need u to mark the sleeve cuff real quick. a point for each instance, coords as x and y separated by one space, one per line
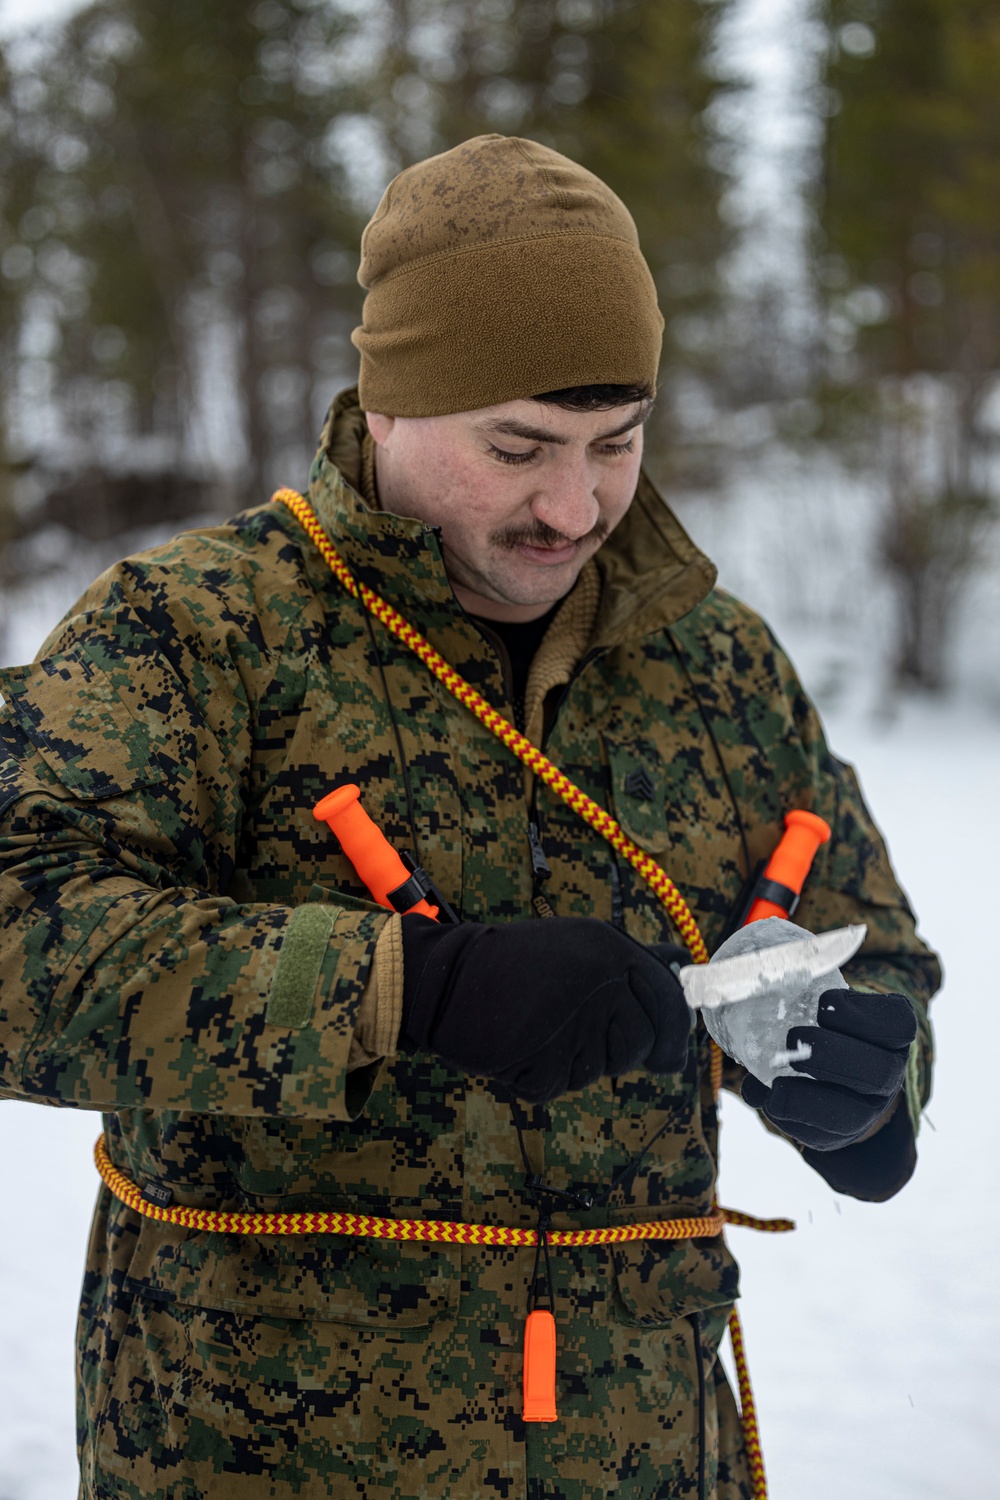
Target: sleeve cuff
380 1014
872 1169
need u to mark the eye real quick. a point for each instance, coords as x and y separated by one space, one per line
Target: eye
613 449
512 458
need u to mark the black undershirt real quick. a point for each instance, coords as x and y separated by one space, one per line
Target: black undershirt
520 640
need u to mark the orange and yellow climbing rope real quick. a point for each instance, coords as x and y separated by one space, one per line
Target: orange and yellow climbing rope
433 1231
585 807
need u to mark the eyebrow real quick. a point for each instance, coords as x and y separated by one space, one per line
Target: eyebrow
511 427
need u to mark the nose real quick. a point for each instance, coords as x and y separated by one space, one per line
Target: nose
567 500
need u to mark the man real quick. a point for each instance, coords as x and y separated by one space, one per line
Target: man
188 950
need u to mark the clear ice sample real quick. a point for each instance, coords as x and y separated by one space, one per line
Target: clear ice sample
754 1032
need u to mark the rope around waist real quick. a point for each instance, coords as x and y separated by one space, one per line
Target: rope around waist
433 1231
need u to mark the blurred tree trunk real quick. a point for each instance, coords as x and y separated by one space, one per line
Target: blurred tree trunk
169 184
910 213
185 187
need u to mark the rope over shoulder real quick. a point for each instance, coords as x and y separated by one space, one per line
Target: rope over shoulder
587 809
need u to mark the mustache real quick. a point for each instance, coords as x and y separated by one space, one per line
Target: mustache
540 535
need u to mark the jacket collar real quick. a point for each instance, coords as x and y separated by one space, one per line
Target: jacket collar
651 572
400 558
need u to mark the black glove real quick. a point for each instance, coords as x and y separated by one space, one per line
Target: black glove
542 1006
874 1169
857 1068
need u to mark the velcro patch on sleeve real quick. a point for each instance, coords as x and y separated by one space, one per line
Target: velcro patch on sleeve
296 975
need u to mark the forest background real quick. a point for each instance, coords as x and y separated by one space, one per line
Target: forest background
182 188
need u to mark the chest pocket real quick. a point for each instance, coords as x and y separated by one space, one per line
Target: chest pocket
639 791
82 729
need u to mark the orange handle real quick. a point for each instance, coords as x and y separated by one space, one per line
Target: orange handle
791 861
539 1367
378 865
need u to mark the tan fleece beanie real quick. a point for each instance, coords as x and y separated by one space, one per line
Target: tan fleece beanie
495 272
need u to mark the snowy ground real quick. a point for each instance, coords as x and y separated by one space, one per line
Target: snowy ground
873 1332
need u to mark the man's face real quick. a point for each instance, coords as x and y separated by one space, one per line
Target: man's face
524 494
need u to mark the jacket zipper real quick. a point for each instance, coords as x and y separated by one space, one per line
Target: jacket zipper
540 867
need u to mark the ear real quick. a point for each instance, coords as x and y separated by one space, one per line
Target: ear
379 426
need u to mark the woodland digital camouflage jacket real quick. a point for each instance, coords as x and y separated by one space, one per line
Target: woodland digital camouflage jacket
160 862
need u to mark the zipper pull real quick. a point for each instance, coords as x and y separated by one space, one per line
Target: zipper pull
540 870
539 864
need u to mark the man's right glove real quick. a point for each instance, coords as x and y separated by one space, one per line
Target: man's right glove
856 1068
542 1006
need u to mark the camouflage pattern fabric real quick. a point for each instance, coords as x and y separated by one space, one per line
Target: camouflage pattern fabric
158 857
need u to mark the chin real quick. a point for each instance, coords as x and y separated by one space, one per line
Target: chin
547 589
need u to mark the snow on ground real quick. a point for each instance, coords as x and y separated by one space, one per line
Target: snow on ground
873 1332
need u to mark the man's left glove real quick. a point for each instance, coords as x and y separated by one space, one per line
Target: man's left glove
857 1068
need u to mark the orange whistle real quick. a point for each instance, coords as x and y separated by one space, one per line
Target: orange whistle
790 863
378 865
540 1367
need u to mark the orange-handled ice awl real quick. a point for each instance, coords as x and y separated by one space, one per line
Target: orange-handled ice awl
785 872
378 865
